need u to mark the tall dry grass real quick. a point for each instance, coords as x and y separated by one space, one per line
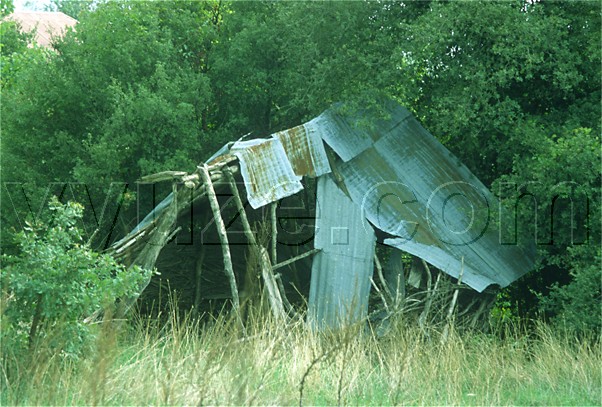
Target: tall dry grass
181 361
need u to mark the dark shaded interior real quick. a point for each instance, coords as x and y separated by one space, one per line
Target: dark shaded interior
191 265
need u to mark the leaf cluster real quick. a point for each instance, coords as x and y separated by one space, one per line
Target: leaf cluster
56 281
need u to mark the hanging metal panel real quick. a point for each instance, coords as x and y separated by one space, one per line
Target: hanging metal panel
340 280
266 170
305 150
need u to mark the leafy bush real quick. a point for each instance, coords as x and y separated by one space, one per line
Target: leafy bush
55 282
563 181
577 305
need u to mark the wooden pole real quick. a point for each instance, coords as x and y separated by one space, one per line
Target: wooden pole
147 257
274 233
380 294
285 301
271 286
221 231
430 294
452 306
379 271
241 209
274 297
294 259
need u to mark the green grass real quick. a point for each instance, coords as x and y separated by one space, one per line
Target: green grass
185 362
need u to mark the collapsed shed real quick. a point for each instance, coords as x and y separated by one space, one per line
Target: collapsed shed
378 171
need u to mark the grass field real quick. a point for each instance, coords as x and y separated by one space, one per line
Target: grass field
182 362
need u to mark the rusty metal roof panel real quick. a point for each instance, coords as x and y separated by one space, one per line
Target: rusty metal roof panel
341 272
305 150
412 187
266 170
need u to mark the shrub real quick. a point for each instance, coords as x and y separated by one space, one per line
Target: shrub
56 281
576 305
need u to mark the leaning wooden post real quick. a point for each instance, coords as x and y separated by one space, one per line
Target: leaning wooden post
274 233
381 277
266 267
452 306
271 285
241 209
221 231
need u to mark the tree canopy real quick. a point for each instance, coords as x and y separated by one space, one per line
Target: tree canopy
512 88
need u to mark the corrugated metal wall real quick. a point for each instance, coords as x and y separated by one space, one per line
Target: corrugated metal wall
341 272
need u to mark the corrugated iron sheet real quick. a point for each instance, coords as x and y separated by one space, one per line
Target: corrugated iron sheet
412 187
305 150
340 279
349 134
266 170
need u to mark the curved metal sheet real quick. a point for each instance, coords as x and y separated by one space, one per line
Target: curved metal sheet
411 187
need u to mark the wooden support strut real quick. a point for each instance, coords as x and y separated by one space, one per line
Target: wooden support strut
271 286
221 231
147 257
296 258
274 232
266 266
379 271
452 306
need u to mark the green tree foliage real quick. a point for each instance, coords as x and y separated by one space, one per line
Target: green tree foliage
281 63
6 7
55 282
14 51
72 8
123 96
487 69
512 88
577 305
560 207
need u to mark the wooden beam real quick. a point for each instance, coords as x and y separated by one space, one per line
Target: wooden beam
274 297
241 209
296 258
452 306
221 231
271 286
162 176
147 257
274 232
381 277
